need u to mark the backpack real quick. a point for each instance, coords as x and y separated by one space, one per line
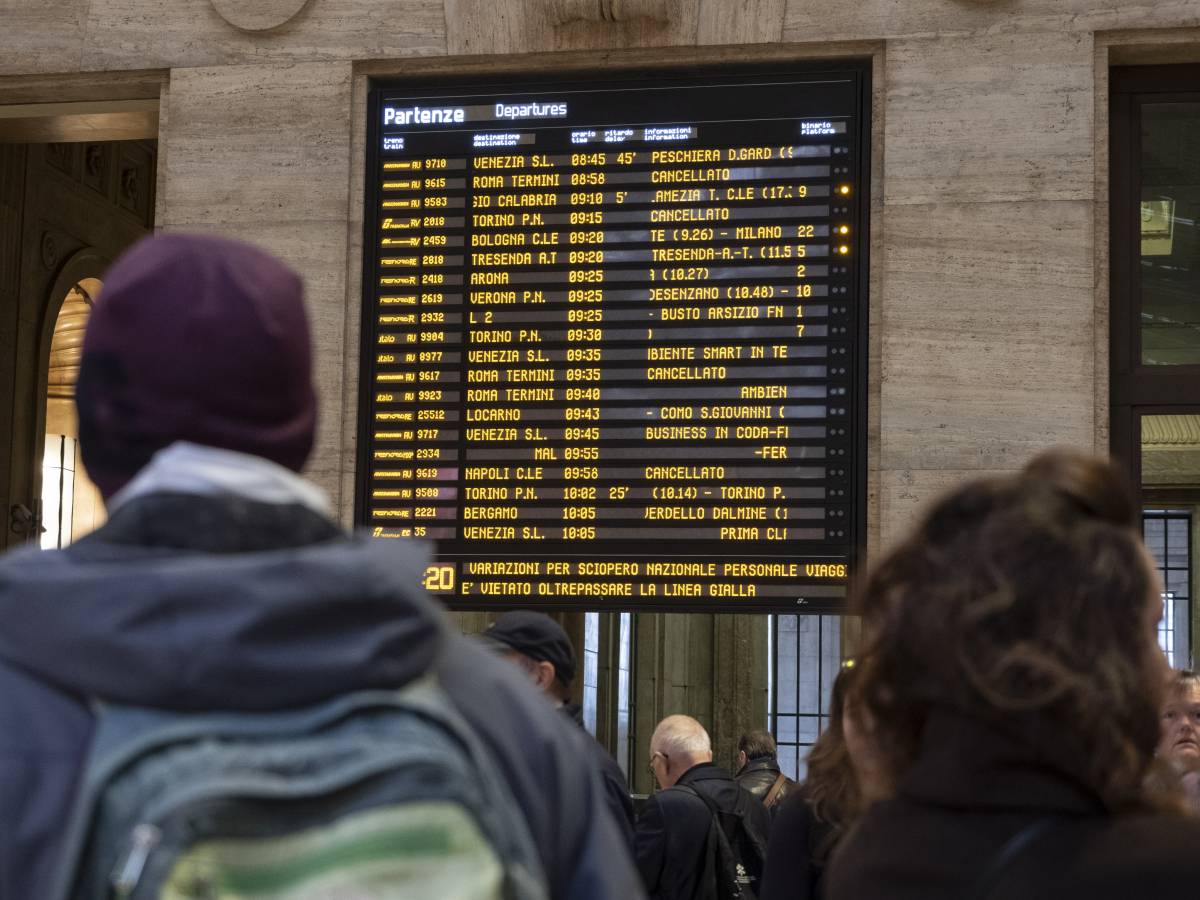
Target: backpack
734 853
373 795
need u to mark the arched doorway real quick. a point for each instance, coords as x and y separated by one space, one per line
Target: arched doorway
71 504
66 211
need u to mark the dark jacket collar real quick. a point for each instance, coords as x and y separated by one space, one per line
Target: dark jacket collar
574 712
704 772
760 764
210 524
969 763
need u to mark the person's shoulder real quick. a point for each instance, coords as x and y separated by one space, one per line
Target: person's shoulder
888 837
678 800
538 749
794 813
493 697
604 760
38 719
1128 850
542 758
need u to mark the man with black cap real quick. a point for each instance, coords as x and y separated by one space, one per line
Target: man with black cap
221 582
540 647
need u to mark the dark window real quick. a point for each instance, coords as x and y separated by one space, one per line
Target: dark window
1155 318
1155 277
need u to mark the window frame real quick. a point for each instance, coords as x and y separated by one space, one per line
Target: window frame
1136 389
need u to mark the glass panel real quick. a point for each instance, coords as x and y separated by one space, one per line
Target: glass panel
802 764
58 491
1177 543
1177 582
1170 248
785 730
625 639
787 760
591 669
1153 530
52 491
785 657
807 730
808 659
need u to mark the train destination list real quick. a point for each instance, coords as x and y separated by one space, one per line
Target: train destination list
612 338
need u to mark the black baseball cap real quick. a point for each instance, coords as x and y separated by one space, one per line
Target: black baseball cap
537 636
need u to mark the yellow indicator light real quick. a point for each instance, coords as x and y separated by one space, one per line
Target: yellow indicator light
845 229
844 189
843 249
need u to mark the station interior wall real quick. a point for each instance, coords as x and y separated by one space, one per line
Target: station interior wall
989 301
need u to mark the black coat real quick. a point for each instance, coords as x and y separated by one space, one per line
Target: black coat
616 788
973 789
797 853
758 777
672 831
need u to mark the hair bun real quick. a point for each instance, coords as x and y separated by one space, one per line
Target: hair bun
1094 484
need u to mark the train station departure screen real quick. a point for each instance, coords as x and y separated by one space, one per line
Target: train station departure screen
614 339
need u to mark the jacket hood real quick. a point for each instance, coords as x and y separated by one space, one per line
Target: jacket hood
242 631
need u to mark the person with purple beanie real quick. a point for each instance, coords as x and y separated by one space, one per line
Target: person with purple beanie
221 581
198 339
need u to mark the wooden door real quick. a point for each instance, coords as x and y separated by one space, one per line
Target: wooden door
66 211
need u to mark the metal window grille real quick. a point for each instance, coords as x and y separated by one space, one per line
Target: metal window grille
1168 537
805 657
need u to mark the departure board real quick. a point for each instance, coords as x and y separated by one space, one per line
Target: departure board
614 338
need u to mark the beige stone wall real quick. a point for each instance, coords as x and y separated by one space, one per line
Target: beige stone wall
989 201
988 312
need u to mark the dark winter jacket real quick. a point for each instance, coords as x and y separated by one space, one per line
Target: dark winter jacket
190 602
672 831
616 788
758 777
798 851
978 794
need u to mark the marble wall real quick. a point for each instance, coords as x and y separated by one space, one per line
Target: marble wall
988 313
989 261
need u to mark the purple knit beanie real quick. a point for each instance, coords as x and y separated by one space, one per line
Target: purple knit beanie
194 338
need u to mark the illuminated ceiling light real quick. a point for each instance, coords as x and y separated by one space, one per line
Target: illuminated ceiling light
844 190
843 249
845 229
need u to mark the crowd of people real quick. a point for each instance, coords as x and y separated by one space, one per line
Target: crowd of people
220 693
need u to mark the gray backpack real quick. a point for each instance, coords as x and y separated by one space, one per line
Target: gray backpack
379 795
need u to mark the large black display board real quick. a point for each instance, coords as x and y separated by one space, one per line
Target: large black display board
614 338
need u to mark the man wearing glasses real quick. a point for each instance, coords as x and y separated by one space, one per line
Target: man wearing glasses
678 837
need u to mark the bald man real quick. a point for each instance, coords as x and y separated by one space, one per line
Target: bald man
672 835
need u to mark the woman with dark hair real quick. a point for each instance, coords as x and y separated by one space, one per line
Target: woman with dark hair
1010 682
811 820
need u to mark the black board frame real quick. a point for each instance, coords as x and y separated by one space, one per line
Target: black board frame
436 86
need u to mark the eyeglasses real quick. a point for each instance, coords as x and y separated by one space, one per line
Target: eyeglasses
653 755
